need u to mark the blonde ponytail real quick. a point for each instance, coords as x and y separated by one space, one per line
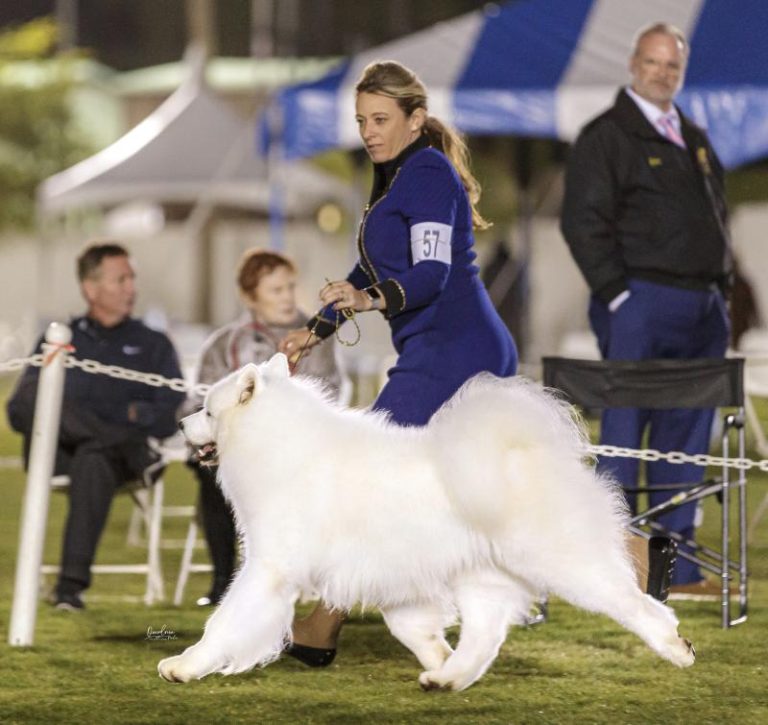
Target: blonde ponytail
451 143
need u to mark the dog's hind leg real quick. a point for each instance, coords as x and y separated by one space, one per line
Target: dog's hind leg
604 583
420 628
648 618
250 627
655 624
488 602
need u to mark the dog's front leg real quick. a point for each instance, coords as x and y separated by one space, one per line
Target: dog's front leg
420 628
250 627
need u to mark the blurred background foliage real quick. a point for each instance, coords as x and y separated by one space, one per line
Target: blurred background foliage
37 133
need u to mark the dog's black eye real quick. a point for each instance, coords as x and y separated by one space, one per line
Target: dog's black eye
208 414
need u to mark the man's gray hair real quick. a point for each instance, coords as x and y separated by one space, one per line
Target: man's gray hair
661 29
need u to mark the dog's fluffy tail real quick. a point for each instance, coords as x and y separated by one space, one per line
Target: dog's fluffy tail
511 454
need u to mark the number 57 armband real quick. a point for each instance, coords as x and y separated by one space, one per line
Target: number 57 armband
431 241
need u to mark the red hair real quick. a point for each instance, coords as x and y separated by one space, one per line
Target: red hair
257 263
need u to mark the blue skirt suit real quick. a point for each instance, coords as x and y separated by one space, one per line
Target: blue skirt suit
416 248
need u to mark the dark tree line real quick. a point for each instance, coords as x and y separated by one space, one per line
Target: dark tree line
127 34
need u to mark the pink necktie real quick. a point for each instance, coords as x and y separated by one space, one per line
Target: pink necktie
669 130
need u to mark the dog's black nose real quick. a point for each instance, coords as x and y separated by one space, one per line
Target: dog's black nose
181 425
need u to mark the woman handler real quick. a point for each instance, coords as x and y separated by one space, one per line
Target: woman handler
416 267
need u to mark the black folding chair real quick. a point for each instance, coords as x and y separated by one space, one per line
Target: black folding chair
666 384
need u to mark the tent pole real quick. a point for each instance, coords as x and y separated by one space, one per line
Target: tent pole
523 174
274 176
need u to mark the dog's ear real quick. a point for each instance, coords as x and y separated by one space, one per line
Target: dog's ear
247 381
276 367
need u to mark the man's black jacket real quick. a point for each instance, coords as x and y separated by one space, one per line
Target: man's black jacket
637 205
97 402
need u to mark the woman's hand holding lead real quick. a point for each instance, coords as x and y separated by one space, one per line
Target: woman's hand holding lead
297 343
344 296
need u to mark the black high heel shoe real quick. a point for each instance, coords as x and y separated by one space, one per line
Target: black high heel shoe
311 656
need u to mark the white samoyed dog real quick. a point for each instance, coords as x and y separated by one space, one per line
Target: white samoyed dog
471 518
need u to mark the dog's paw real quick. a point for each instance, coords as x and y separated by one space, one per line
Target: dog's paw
435 680
679 652
176 669
687 653
431 681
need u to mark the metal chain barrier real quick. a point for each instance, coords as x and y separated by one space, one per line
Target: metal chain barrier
700 459
182 386
153 379
114 371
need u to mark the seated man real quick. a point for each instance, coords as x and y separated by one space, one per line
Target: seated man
105 422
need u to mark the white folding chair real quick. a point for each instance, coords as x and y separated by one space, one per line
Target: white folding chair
148 497
188 566
173 449
149 503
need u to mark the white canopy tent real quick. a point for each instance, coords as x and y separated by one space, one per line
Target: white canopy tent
192 150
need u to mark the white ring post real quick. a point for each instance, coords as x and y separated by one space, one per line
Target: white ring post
45 435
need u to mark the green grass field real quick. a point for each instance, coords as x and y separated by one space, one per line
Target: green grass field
99 667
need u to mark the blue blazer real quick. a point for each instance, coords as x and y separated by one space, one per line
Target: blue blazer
416 247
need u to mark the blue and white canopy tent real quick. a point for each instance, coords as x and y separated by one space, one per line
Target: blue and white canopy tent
542 68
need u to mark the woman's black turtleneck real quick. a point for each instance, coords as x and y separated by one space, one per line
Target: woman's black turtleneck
384 172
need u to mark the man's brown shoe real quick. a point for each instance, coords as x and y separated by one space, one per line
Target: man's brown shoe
704 590
662 554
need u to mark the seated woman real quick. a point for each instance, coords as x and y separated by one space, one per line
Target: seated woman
267 284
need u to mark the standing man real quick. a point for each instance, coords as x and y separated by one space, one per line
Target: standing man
105 423
644 216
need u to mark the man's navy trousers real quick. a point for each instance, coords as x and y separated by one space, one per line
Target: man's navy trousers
660 321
